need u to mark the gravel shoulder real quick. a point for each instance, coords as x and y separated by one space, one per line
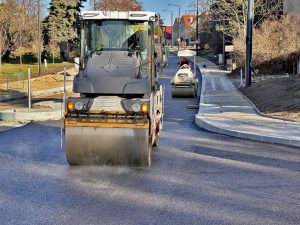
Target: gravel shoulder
40 83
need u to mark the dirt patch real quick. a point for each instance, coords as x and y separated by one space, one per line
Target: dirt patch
72 72
40 107
40 83
278 97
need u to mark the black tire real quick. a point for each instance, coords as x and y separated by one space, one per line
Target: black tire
157 135
196 90
194 93
156 140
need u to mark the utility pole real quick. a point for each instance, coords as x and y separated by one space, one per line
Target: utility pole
249 42
94 4
39 38
197 29
172 33
224 54
179 28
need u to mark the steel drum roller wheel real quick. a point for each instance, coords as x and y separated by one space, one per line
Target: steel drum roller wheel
183 91
108 146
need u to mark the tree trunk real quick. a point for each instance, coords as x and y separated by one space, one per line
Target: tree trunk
0 53
53 56
0 59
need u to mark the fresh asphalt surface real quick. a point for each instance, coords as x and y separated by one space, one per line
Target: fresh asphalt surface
196 177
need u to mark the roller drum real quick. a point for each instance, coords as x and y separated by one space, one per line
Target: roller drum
109 146
184 91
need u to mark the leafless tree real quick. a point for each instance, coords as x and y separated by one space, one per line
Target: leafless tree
230 17
3 35
117 5
275 45
17 26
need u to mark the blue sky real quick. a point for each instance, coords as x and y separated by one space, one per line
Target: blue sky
160 5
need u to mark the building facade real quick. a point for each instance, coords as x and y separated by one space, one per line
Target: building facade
188 28
184 29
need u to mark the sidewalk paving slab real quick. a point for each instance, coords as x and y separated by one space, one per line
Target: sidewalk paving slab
223 109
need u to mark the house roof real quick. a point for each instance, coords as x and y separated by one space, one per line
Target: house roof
188 20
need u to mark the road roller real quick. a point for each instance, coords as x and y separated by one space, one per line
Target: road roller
185 83
119 114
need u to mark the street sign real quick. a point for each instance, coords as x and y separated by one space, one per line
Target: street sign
186 53
229 48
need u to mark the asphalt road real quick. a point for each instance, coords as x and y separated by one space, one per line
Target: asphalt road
196 177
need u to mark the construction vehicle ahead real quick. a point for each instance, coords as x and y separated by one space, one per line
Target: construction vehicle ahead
185 83
118 116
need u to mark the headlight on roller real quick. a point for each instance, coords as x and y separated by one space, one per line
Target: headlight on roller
78 106
136 107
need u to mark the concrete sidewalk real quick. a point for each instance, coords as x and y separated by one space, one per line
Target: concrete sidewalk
41 111
223 109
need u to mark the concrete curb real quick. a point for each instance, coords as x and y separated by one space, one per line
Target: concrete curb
9 97
202 122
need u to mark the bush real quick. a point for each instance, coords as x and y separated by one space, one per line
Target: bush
276 45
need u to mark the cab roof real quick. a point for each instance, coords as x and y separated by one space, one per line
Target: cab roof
118 15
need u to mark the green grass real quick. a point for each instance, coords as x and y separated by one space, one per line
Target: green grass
12 69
